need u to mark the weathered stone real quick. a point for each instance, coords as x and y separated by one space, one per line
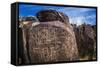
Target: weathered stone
50 43
52 15
53 40
86 42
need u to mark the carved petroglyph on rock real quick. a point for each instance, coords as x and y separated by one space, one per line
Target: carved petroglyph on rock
52 40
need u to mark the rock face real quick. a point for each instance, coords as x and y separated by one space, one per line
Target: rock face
53 40
52 15
86 41
50 43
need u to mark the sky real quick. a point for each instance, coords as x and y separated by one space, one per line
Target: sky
76 15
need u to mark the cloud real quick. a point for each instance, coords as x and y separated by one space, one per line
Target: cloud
77 15
91 19
77 20
80 15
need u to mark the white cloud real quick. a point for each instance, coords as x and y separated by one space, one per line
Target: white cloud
77 20
91 16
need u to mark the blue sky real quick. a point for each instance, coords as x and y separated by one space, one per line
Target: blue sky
76 15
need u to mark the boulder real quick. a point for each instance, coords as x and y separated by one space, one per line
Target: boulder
53 40
52 15
86 42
